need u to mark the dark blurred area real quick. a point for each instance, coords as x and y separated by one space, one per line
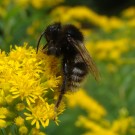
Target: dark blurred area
107 7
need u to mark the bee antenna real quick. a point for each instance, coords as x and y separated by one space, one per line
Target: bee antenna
39 40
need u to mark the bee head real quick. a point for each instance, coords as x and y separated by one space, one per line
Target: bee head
51 35
72 31
52 32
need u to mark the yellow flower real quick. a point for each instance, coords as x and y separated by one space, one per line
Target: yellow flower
23 130
131 22
9 99
26 74
102 126
129 12
118 127
3 123
53 82
20 106
94 109
122 125
29 85
4 111
109 49
41 114
93 127
25 87
86 14
19 121
115 23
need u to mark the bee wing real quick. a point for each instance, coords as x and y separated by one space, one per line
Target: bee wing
79 46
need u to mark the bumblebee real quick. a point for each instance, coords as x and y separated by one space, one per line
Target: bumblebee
67 41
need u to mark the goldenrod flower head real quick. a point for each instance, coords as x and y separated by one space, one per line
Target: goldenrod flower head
4 111
23 130
40 113
19 121
3 123
9 99
20 106
129 12
93 127
3 114
102 126
109 49
122 124
29 85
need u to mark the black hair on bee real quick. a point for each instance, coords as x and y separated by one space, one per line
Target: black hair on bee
67 41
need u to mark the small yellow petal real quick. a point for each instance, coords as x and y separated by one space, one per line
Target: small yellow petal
29 118
47 122
16 96
33 122
23 130
27 100
15 92
37 125
32 100
27 114
42 122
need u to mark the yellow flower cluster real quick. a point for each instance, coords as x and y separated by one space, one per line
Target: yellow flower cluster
120 126
95 122
108 49
94 109
29 84
93 127
87 15
112 51
129 12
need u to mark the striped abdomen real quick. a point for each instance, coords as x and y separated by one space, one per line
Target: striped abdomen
78 71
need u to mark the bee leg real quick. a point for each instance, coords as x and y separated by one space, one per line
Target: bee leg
44 47
63 87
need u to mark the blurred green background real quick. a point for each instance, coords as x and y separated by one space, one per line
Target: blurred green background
109 31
